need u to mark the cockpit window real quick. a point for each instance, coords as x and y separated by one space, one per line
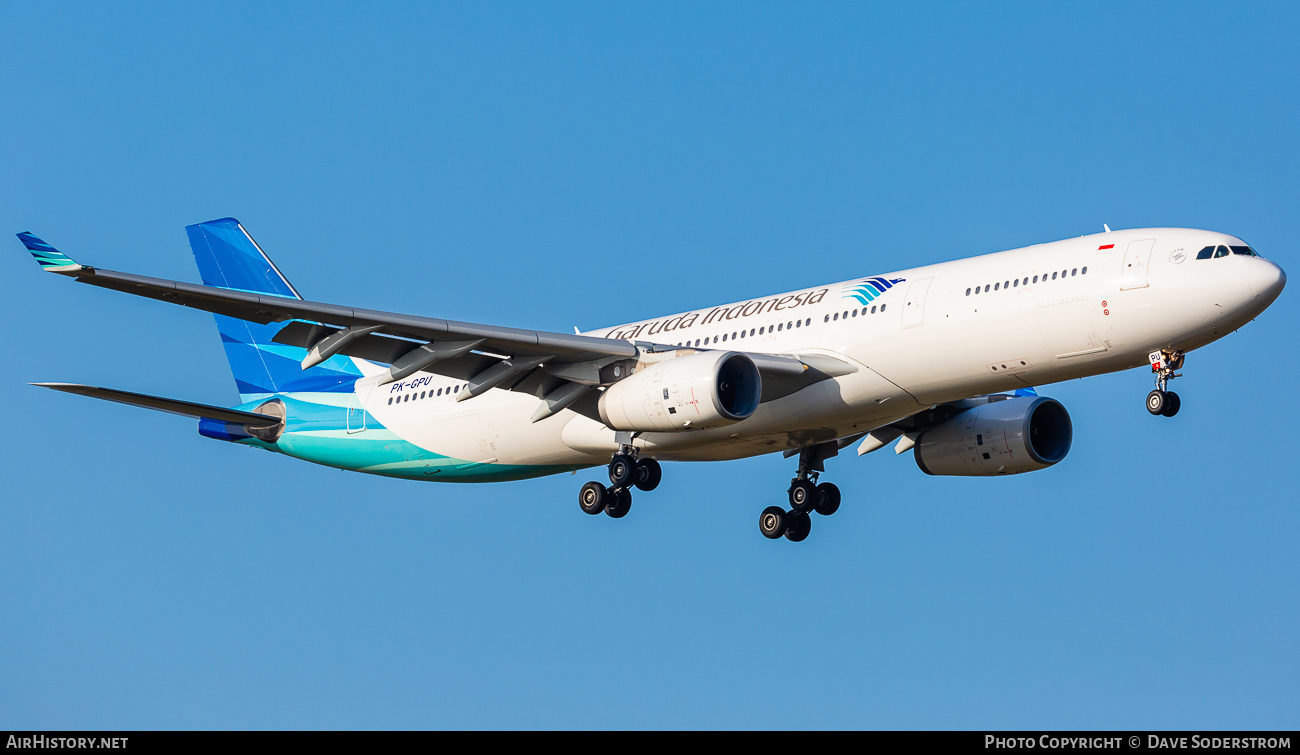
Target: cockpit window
1244 250
1220 251
1205 253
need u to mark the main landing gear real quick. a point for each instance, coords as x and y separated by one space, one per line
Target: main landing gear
625 472
1163 401
806 496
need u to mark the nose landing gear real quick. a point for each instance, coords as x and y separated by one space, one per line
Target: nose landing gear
625 472
1162 401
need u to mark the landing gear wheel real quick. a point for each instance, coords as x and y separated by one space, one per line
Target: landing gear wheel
802 496
1172 404
622 471
648 474
828 499
593 497
620 504
772 522
1157 400
798 527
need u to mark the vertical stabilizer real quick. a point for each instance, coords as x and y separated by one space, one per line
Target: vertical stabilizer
228 258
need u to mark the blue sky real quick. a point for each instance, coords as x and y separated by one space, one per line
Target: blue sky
553 165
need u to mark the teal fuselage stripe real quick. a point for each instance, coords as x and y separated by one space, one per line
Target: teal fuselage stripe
320 433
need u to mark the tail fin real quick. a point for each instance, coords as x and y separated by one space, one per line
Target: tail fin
228 258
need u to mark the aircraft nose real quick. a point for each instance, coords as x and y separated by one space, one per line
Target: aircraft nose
1267 280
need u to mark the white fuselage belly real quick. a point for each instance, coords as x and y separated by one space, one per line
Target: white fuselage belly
930 339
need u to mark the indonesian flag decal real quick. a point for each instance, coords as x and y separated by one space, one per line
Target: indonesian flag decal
1106 246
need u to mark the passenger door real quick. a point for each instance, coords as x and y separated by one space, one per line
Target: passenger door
1137 259
914 307
356 421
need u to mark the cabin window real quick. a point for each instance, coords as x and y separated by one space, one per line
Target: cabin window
1016 283
873 310
828 318
1074 272
882 307
996 285
968 292
1084 271
837 317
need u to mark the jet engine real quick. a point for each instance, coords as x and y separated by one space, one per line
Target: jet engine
1021 434
692 392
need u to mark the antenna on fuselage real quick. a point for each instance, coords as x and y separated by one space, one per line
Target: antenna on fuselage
1103 225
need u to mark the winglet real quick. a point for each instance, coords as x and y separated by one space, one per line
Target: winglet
50 258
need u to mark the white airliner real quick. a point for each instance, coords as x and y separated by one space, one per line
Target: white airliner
942 359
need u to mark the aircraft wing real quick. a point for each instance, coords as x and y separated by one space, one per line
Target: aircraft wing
264 309
486 356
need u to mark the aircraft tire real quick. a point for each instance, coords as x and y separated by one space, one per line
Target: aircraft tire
802 496
1172 404
1156 402
828 499
593 497
772 522
622 471
797 529
620 503
649 473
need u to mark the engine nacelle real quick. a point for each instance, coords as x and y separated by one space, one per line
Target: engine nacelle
693 392
1016 435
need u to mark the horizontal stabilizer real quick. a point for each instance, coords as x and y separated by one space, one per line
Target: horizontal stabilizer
184 408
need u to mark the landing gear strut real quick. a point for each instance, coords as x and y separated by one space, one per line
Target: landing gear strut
625 472
1163 401
805 495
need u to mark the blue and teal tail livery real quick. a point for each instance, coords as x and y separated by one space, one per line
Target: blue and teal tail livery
228 258
50 258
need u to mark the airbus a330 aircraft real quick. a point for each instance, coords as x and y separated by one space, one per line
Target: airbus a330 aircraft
942 359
